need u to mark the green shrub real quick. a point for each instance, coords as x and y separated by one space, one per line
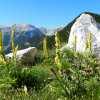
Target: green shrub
39 57
52 91
35 77
6 81
50 60
19 94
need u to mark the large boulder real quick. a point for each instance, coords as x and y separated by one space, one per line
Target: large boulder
26 56
81 28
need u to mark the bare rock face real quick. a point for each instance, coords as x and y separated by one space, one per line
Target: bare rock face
26 56
81 28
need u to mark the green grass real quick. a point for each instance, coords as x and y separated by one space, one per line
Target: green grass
76 77
74 82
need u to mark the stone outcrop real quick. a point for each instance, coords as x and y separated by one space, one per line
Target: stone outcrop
81 28
26 56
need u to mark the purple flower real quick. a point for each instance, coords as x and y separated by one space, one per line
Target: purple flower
87 69
63 71
98 59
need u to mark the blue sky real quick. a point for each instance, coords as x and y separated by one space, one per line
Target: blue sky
47 13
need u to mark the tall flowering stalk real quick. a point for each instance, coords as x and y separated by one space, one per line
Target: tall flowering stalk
85 47
45 47
75 43
57 45
25 90
14 50
90 42
2 57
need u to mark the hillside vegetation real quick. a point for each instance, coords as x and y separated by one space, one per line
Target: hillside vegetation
66 75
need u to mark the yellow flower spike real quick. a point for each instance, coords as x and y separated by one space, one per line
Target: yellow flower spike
14 50
75 43
57 45
45 47
86 47
57 40
90 42
1 42
25 90
57 51
13 42
12 37
2 56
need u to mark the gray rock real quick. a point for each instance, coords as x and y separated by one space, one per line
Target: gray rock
26 56
81 28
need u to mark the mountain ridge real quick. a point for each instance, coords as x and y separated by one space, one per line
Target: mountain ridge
29 35
25 35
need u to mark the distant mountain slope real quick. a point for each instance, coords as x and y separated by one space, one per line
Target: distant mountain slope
28 35
50 32
23 33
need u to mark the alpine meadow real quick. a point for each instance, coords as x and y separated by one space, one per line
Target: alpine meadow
49 63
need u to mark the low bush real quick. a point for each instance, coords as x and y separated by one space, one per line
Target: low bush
35 77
